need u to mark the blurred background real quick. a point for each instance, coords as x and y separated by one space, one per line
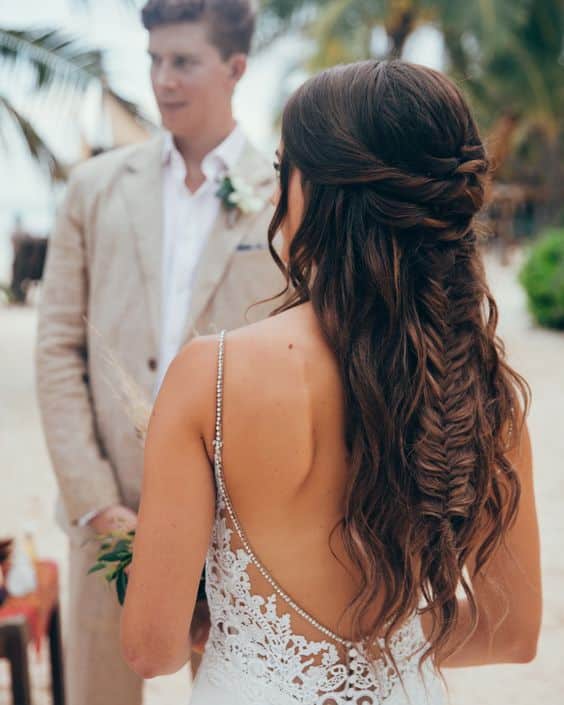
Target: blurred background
74 81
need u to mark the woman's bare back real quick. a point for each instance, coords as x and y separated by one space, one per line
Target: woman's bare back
285 460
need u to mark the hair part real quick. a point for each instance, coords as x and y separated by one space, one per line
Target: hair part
394 172
230 23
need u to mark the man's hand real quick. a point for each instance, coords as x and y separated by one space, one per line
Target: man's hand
115 518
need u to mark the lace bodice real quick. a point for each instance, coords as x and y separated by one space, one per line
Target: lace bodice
254 656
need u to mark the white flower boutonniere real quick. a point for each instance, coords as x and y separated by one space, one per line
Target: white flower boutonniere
236 193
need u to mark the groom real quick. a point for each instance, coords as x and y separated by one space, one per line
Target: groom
145 255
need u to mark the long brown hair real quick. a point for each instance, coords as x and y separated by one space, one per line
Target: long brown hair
393 172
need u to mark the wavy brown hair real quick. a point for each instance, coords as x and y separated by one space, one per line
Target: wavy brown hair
393 171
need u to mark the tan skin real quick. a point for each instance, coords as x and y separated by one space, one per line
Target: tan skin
193 87
285 466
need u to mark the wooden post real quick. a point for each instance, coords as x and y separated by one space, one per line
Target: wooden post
13 646
56 658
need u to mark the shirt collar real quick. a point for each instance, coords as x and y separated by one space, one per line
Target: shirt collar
220 159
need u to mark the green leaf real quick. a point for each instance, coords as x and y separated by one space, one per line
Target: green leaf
123 545
114 556
97 567
121 586
111 576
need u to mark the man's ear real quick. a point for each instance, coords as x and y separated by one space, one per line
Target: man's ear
237 67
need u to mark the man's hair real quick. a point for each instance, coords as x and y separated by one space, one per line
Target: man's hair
231 23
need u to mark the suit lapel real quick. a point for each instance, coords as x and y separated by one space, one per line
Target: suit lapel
143 192
228 232
220 246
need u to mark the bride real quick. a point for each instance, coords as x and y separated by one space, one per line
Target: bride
355 472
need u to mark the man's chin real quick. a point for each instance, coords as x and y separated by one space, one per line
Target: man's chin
177 125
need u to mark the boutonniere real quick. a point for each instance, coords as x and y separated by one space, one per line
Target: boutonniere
239 196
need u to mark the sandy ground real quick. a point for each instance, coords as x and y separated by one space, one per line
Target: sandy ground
27 497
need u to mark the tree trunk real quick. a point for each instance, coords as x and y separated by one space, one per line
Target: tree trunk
399 29
500 138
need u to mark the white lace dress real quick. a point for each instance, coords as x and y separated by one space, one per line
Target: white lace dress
254 656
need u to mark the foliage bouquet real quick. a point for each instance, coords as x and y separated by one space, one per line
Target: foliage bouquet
114 557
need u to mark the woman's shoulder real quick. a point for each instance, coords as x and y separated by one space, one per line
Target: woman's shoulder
187 393
294 329
273 357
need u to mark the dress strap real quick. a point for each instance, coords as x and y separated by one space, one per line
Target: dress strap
218 440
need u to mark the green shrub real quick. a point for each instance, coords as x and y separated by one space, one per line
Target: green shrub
543 278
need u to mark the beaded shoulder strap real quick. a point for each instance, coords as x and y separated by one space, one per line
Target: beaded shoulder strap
218 440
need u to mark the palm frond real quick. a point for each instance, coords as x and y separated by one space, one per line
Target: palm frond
336 19
60 60
498 19
131 108
283 9
279 17
36 145
343 30
53 56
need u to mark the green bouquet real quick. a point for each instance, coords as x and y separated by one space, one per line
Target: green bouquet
114 557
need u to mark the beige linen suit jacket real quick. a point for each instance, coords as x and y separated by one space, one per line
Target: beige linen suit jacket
101 298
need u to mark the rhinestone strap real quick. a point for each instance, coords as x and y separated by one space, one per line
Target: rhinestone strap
218 461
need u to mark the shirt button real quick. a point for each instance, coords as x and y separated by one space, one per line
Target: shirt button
152 363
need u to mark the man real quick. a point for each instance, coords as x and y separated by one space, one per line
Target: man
146 254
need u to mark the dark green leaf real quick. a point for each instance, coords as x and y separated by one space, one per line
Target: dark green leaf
121 586
113 556
123 545
111 575
97 567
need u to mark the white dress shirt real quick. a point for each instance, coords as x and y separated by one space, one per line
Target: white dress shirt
188 219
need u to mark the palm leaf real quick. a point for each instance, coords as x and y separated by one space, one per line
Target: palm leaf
343 30
35 144
280 17
283 9
53 56
62 61
57 62
131 108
